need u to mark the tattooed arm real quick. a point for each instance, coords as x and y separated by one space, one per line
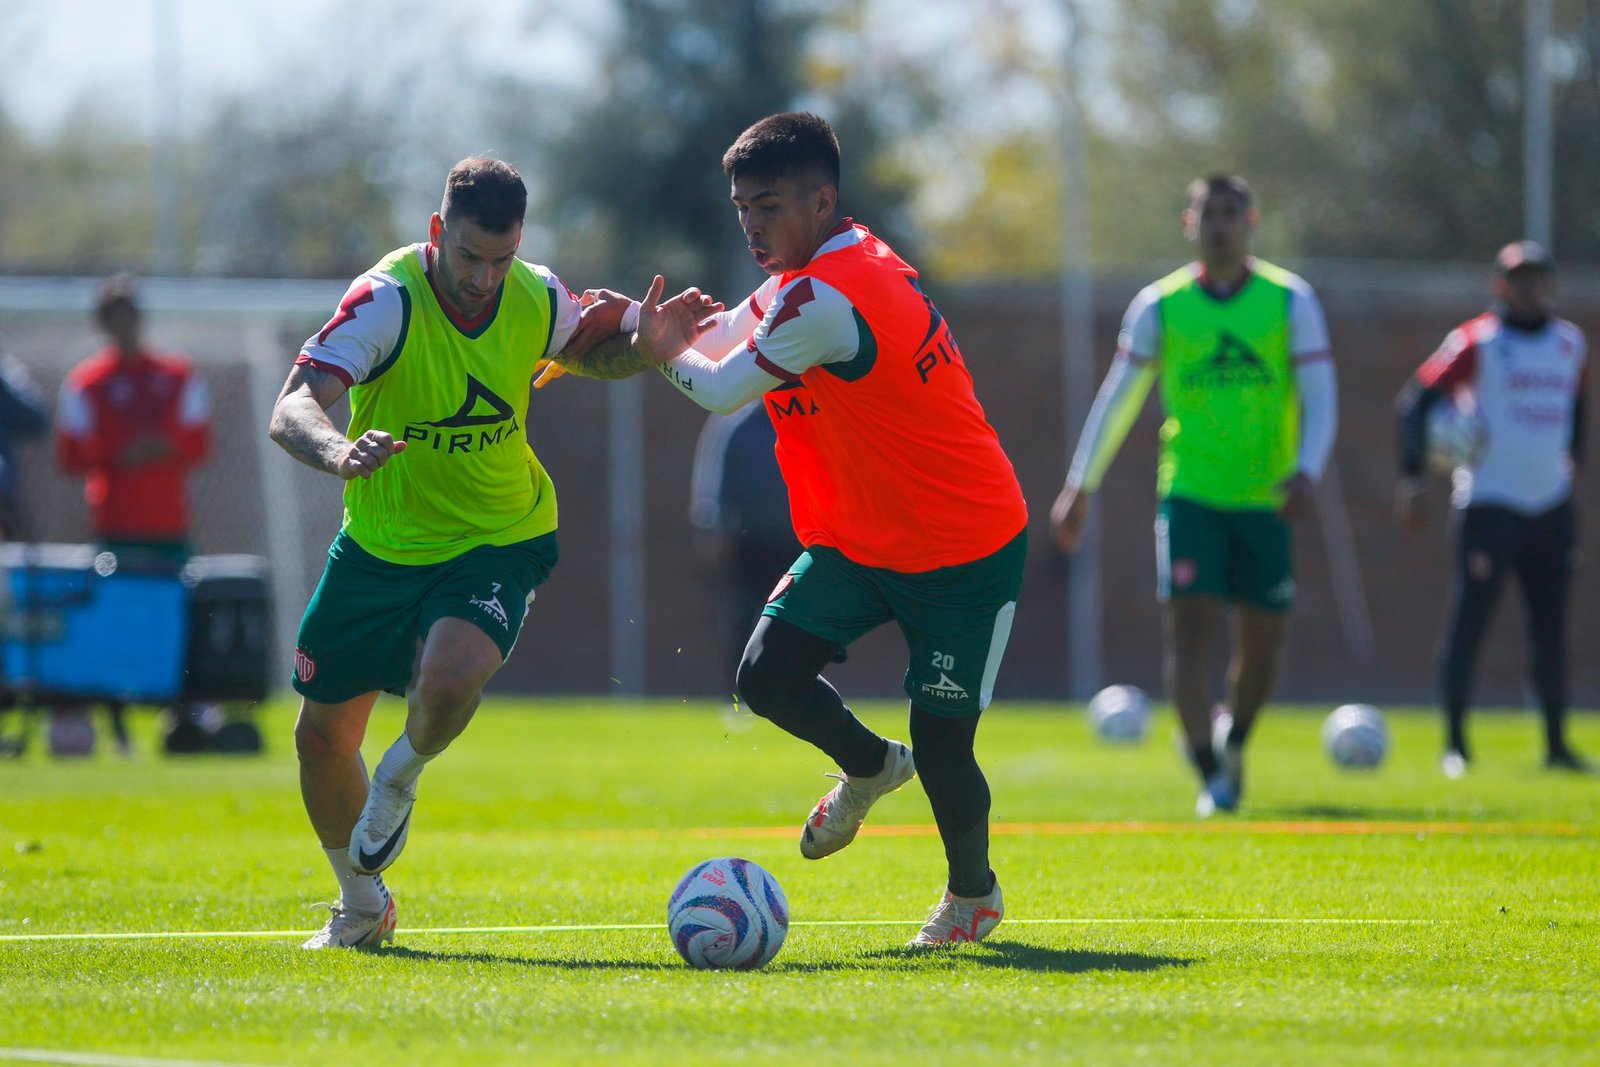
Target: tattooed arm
301 427
613 358
605 313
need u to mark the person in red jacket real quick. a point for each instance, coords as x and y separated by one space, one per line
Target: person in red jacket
133 421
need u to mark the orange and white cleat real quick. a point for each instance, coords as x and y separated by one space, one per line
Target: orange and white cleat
956 919
833 823
346 928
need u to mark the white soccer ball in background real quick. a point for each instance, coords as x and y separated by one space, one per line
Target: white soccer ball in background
1355 736
727 914
1120 713
1457 434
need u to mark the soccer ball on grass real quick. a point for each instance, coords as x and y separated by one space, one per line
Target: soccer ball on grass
727 914
1355 736
1120 713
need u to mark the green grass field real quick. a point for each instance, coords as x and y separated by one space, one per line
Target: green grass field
1386 917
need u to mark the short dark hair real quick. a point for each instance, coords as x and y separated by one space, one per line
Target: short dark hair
117 291
1524 255
486 190
1211 184
785 145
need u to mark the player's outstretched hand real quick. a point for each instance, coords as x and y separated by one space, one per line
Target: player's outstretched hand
1298 496
666 330
1067 516
367 453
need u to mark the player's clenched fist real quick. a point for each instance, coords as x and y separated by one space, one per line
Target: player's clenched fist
367 453
1067 516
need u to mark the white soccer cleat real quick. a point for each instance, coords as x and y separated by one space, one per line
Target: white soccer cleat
833 823
381 831
1453 763
354 929
956 919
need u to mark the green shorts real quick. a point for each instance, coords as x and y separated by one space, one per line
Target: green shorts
1245 557
956 620
361 629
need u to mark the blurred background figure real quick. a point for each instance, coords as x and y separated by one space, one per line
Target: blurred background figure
24 413
1515 377
134 421
1240 347
740 508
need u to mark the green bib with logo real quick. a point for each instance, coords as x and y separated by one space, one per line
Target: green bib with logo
459 401
1233 415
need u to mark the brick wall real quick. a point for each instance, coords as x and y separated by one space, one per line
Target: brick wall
1382 323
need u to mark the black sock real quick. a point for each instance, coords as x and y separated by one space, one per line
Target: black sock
1555 732
1456 729
780 680
959 794
1238 732
1205 761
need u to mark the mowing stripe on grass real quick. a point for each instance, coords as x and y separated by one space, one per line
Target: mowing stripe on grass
215 935
102 1059
1295 828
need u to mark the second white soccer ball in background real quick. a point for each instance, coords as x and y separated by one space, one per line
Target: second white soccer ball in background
1120 713
1355 736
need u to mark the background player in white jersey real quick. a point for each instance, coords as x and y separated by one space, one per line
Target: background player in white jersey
1523 370
1241 350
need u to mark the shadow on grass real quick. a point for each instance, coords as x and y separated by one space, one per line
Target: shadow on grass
1006 955
422 954
1351 812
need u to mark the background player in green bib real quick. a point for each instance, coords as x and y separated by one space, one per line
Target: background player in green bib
449 520
1241 349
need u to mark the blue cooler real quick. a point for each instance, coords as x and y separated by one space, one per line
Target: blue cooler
80 623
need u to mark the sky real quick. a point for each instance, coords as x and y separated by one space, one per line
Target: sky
61 53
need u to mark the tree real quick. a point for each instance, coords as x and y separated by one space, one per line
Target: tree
290 194
76 203
1370 129
634 183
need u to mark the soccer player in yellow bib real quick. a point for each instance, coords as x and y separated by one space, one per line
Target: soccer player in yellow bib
450 520
1241 349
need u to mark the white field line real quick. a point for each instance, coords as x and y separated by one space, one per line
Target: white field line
217 935
101 1059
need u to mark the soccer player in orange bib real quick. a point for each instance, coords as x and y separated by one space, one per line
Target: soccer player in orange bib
905 503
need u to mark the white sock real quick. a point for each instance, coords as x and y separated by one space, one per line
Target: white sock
360 892
402 763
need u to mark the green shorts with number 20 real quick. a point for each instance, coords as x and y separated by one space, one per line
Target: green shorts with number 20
956 620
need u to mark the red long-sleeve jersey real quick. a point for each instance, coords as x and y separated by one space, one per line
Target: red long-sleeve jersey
112 409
